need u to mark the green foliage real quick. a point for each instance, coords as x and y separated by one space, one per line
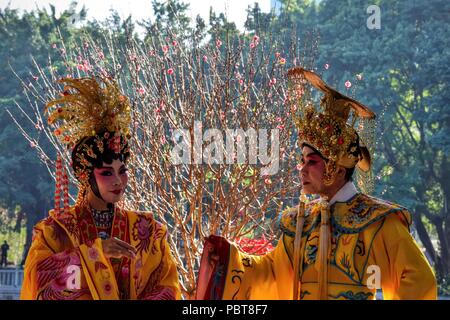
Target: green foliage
16 241
443 286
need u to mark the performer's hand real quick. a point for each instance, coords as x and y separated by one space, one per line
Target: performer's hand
116 248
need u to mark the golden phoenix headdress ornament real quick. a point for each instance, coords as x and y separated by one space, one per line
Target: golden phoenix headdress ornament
87 107
327 130
90 109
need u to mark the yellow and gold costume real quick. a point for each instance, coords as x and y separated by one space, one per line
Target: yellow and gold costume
347 247
370 239
66 260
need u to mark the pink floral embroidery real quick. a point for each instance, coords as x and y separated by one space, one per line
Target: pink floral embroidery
125 271
139 264
145 231
93 254
107 287
141 228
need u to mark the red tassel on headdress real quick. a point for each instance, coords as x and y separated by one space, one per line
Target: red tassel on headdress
58 177
65 191
61 186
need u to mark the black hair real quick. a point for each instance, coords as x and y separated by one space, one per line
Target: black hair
97 157
349 174
315 151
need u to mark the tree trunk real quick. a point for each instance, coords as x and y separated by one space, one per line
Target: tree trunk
446 231
34 215
444 256
425 238
445 173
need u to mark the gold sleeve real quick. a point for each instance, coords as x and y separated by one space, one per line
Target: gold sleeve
405 272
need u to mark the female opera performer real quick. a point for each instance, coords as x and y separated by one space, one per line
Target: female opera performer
96 249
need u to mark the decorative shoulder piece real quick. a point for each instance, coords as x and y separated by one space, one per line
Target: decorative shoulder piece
362 210
288 218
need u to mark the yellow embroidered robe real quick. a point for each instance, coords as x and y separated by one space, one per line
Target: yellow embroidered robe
66 260
370 242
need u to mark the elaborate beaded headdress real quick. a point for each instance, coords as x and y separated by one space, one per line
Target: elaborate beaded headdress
90 108
333 128
90 113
